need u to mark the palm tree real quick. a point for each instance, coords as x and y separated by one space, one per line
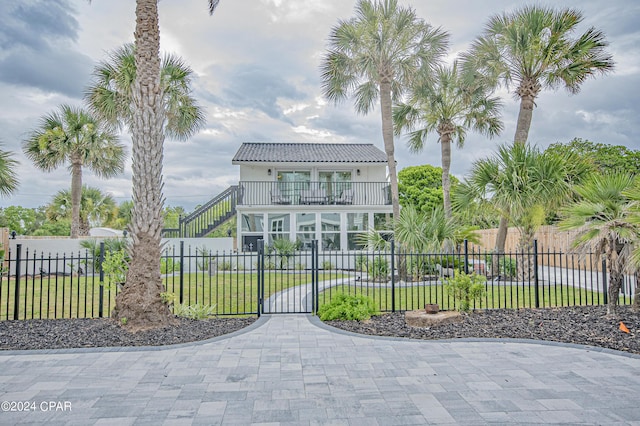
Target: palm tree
608 220
531 49
376 56
74 136
110 92
140 305
447 106
523 184
96 208
8 175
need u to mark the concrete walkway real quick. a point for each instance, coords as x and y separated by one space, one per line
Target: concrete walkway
291 370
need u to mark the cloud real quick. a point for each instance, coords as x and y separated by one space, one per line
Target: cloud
255 87
37 39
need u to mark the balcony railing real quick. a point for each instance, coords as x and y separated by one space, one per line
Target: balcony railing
260 193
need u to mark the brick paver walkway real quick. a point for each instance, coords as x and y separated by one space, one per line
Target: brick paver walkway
291 370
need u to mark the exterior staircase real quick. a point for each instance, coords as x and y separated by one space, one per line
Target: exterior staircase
207 217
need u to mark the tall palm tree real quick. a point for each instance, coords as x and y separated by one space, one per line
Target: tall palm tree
445 104
110 93
8 175
607 218
96 208
76 137
140 305
531 49
376 56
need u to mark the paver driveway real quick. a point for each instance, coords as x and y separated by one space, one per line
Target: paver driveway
289 369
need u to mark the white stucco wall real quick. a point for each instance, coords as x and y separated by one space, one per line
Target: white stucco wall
57 247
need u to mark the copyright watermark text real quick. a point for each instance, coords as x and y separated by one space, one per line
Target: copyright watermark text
19 406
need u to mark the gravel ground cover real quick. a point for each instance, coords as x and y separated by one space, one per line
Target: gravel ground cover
585 325
581 325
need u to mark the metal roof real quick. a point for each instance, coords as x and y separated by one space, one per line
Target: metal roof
254 152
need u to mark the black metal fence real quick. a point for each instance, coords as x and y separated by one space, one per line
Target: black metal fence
288 281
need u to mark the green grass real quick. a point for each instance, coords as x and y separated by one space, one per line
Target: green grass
233 293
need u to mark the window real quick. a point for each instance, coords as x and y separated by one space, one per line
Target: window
290 183
252 223
357 226
305 230
330 230
252 231
279 226
334 182
382 222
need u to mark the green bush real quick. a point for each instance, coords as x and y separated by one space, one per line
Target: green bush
196 312
466 289
507 266
168 265
327 265
348 307
379 269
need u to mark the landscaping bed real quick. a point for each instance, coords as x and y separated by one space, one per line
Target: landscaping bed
105 332
581 325
585 325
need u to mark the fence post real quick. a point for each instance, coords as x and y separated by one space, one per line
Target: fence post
314 282
260 276
101 287
181 271
466 256
393 276
535 273
16 300
604 280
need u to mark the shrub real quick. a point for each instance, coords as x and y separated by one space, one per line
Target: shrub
348 307
379 269
466 289
284 249
115 266
168 265
327 265
203 258
507 266
196 312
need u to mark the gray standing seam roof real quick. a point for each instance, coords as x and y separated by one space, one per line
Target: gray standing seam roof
309 153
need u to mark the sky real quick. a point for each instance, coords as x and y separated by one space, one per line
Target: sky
257 67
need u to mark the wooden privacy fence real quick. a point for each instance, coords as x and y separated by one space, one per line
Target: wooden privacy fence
550 240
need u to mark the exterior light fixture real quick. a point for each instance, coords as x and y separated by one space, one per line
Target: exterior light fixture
269 172
358 172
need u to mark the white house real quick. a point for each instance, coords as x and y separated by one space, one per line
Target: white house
304 191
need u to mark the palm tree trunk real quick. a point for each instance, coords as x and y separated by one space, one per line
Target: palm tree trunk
139 306
76 196
445 142
387 137
527 91
616 277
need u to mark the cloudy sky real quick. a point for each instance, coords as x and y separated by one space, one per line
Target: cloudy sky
257 64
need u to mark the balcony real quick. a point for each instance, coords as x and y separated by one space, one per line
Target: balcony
260 193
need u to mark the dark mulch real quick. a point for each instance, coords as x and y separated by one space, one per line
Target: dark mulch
105 332
581 325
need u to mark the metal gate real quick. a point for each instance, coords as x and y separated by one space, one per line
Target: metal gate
287 279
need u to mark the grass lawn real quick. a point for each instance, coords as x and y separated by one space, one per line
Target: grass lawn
233 293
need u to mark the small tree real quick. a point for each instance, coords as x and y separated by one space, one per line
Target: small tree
466 289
